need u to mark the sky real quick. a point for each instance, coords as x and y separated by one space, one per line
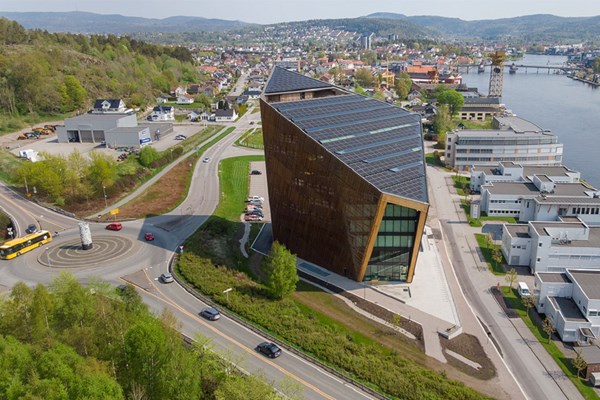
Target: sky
272 11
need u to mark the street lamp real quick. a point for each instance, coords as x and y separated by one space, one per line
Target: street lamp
226 291
105 199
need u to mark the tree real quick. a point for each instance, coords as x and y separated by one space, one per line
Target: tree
101 170
442 123
489 240
548 327
148 155
403 85
73 94
497 256
364 77
453 99
579 363
511 277
528 302
280 267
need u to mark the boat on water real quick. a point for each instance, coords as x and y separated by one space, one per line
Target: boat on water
481 69
513 69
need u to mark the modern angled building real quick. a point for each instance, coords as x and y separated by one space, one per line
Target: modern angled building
346 178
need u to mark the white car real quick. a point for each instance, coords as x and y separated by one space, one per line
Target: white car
255 199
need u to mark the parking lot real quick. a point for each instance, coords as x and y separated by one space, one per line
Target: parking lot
49 144
258 187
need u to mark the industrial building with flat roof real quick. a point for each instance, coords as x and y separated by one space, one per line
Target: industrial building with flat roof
346 178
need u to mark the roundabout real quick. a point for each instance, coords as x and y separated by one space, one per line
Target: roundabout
69 254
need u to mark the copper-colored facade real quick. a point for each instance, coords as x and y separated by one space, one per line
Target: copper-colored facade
327 213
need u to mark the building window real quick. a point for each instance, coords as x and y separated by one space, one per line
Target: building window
539 244
393 246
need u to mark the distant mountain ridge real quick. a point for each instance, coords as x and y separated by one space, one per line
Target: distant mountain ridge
531 27
538 27
85 22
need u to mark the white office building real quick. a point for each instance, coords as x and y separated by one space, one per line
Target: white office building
509 171
552 246
514 139
541 199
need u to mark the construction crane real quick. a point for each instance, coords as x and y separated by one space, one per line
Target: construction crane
497 73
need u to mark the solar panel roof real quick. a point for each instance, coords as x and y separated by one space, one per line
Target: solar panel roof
282 80
379 141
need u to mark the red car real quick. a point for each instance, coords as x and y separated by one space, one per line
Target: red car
252 217
149 236
114 226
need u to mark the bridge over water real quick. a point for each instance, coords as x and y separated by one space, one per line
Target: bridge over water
557 69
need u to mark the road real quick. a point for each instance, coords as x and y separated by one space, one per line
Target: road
125 254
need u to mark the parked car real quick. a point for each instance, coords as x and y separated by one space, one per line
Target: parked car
210 313
251 122
180 137
114 226
167 278
251 207
255 198
270 350
206 159
31 228
256 212
252 217
255 172
149 236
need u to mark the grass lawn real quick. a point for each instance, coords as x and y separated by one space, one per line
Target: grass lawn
471 124
9 123
234 176
432 160
486 250
252 138
534 324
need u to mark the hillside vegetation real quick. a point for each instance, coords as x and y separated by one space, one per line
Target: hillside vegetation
69 341
45 73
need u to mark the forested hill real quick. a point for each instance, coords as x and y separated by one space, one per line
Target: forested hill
86 22
46 73
539 27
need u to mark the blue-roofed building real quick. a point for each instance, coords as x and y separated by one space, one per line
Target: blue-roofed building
346 178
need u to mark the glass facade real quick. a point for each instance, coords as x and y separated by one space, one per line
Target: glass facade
392 250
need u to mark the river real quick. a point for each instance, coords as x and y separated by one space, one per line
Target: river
569 108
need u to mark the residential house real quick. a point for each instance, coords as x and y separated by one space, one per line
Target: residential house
185 99
228 115
162 113
109 106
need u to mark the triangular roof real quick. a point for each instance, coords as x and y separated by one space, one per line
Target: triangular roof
282 80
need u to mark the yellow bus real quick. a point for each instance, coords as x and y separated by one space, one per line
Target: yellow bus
15 247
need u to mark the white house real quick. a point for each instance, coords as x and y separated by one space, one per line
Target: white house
162 113
571 300
109 106
228 115
185 99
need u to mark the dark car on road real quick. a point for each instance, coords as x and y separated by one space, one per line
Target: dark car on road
255 172
269 349
210 313
30 229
